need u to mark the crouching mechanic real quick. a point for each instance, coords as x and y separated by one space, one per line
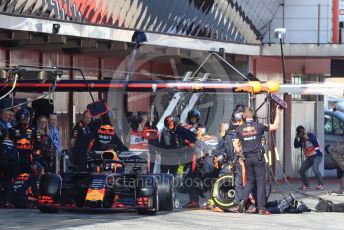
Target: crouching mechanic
225 153
248 143
236 121
24 189
230 153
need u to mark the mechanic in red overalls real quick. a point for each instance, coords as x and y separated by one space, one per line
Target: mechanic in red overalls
137 141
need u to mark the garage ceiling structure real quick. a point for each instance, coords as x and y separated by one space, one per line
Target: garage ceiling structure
239 21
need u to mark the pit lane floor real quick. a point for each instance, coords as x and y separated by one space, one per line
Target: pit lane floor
181 218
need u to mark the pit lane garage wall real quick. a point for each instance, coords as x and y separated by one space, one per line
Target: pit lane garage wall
213 107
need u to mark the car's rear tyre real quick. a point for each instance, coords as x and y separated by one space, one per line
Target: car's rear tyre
49 192
166 190
223 192
148 188
154 209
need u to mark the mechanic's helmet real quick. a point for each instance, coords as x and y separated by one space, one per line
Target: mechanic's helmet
221 158
23 116
238 115
170 122
194 113
300 130
239 109
236 120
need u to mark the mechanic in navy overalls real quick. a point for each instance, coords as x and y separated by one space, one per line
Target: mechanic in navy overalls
248 143
106 138
192 174
81 137
235 122
226 149
27 141
9 164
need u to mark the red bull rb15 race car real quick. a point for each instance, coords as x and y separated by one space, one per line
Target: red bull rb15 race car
109 186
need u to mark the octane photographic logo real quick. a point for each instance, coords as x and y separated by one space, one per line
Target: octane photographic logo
117 181
215 107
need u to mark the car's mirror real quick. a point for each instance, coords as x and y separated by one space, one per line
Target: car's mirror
97 108
151 134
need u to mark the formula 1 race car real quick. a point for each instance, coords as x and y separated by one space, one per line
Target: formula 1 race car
108 186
